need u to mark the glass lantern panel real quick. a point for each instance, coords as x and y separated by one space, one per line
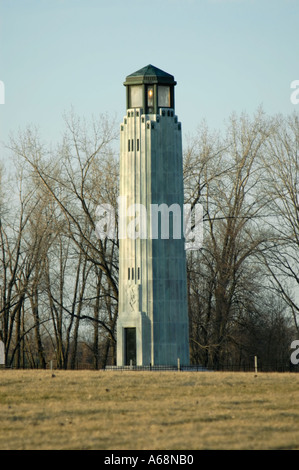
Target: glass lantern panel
163 96
136 96
150 96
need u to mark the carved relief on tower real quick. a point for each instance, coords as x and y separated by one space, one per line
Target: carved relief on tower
134 297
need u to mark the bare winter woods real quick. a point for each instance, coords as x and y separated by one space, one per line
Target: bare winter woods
59 282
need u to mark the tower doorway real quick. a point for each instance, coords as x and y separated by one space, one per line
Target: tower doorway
130 346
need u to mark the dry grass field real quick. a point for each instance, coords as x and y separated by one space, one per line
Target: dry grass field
130 410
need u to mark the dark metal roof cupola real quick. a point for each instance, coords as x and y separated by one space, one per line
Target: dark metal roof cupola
150 88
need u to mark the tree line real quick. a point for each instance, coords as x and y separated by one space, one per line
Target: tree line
59 281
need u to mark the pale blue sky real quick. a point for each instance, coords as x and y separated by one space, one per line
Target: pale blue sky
226 55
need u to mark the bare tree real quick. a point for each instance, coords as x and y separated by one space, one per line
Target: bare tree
80 175
226 177
281 254
20 255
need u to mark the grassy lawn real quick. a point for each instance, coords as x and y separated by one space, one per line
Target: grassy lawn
148 410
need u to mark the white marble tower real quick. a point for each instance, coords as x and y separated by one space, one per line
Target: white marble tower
152 325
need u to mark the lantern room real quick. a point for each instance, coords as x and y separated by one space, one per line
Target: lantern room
150 89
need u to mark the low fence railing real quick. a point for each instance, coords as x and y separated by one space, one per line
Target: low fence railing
245 367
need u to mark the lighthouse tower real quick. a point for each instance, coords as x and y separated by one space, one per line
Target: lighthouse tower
152 326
